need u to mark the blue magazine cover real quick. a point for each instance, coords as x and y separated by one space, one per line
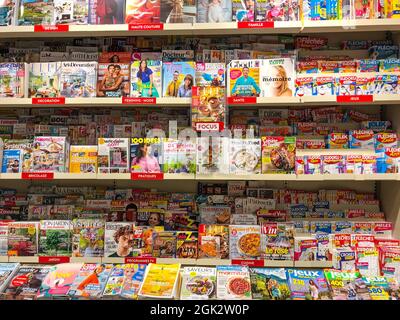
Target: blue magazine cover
11 161
178 78
308 284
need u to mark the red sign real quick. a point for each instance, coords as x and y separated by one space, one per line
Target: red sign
255 25
60 100
38 175
129 100
347 99
54 260
140 260
209 126
147 176
145 26
57 28
251 263
242 100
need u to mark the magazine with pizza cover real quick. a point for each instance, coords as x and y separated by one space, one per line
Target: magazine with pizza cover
90 281
58 281
308 284
55 237
244 242
182 11
245 156
23 238
78 79
269 284
212 155
44 80
33 12
7 271
142 11
133 277
213 11
347 285
243 78
161 281
13 80
233 283
145 79
118 239
88 238
277 77
198 283
26 282
17 155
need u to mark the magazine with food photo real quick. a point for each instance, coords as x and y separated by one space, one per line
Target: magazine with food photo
118 239
269 284
278 154
233 283
245 156
198 283
55 237
145 80
243 78
88 238
244 242
213 241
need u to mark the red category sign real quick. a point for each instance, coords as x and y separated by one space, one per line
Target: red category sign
361 99
132 100
209 126
255 25
145 26
242 100
140 260
49 28
54 259
60 100
147 176
251 263
38 175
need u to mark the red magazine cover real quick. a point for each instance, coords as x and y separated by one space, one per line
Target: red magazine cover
142 11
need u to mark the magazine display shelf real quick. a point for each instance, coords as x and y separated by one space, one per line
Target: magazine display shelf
357 25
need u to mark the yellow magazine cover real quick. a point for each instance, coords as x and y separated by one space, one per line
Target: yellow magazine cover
160 281
83 159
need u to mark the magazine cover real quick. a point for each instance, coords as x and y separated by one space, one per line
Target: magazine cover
12 80
26 282
17 155
212 11
243 10
210 74
269 284
8 9
146 155
243 78
164 244
59 280
347 285
179 156
83 159
180 55
378 287
150 217
147 11
212 155
55 237
50 154
178 78
233 283
277 241
160 281
114 283
78 79
278 154
245 156
32 12
277 77
308 284
213 241
4 237
214 214
113 155
113 80
88 238
133 277
146 78
198 283
90 281
12 161
181 11
106 12
118 239
23 238
7 271
44 80
186 245
71 11
244 242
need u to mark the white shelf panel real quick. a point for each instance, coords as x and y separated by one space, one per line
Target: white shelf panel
278 263
86 259
114 260
278 100
358 25
3 259
313 264
213 262
33 259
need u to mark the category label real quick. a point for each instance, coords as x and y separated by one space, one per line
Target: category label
209 126
251 263
255 25
139 100
60 100
145 26
50 28
141 260
361 99
54 259
147 176
242 100
38 175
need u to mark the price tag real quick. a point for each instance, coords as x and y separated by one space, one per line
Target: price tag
132 100
145 26
147 176
255 25
250 263
50 28
60 100
355 99
54 259
209 126
242 100
37 175
140 260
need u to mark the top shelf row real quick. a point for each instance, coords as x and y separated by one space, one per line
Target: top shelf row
235 28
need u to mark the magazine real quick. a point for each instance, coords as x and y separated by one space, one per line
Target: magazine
212 155
269 284
12 80
198 283
347 285
71 11
78 79
8 11
164 244
4 237
113 155
104 12
146 155
33 12
178 78
146 78
133 277
142 11
278 154
277 77
88 238
213 241
233 283
243 78
210 74
214 214
83 159
243 10
23 238
244 242
186 245
50 154
277 241
183 11
114 283
44 81
378 287
113 79
308 284
245 156
118 239
7 271
17 155
212 11
55 237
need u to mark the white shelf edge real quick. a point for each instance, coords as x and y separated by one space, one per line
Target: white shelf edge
31 259
4 259
313 264
86 259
